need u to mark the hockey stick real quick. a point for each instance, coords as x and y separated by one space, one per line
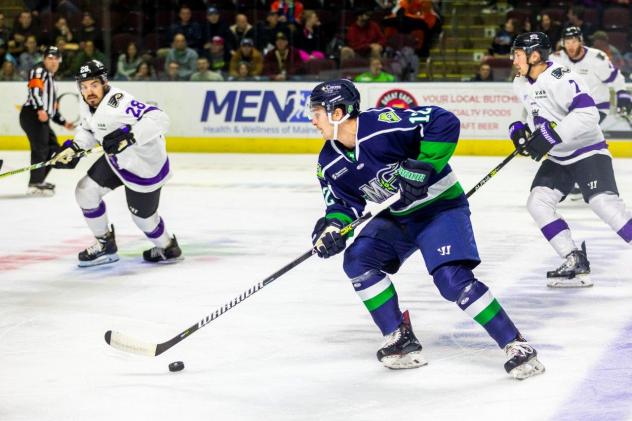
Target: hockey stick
49 162
129 344
492 173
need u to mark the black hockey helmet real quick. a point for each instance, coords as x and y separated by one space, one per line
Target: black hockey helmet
573 32
52 51
533 41
92 69
339 93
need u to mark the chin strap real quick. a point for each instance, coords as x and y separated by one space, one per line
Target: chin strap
337 123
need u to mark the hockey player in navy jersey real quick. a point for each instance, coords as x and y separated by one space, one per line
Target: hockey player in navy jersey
563 122
369 156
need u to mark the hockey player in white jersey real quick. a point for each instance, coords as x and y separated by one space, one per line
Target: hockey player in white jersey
132 135
563 122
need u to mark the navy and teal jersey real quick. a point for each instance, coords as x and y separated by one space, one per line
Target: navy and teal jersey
385 138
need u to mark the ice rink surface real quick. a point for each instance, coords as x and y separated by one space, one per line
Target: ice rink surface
304 347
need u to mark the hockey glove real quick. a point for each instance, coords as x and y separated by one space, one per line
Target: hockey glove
326 237
519 133
624 102
118 140
542 140
414 179
65 158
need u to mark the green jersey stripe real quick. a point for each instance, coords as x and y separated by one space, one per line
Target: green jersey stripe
436 153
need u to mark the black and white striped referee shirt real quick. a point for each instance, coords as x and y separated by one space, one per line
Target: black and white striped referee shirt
43 93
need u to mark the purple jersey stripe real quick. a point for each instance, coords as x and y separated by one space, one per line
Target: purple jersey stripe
554 228
626 231
612 76
96 212
160 229
581 101
133 178
596 146
152 108
603 105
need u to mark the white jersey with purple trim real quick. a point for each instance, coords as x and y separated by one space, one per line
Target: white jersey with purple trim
561 96
598 73
143 166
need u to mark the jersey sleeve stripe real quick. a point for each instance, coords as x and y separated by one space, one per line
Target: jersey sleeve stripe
581 101
612 76
36 83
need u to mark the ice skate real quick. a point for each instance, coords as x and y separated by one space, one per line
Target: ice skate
522 360
41 189
574 272
401 349
169 254
100 253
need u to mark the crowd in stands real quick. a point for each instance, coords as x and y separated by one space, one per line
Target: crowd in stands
276 40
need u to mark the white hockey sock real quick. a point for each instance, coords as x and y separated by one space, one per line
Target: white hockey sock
542 206
154 229
612 210
89 196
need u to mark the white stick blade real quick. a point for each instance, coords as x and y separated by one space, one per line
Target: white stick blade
128 344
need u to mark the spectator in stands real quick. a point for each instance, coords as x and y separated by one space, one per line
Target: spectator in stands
217 55
187 27
185 57
144 72
249 54
30 56
240 30
307 38
503 40
4 29
67 52
88 52
172 73
128 62
364 38
575 16
484 74
266 31
8 73
290 11
5 55
282 62
213 27
375 73
67 9
601 42
416 18
61 29
243 73
552 29
21 30
203 74
89 31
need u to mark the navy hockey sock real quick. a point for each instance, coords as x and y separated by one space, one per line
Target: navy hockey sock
378 293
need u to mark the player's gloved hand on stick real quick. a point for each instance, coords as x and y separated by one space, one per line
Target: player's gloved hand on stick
65 158
624 102
326 237
414 179
542 140
519 133
118 140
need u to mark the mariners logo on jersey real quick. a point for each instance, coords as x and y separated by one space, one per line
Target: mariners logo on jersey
382 186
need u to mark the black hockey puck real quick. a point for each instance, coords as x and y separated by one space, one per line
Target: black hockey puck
176 366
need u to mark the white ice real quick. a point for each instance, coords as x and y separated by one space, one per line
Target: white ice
303 348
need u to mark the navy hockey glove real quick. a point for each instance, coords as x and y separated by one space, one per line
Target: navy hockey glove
118 140
519 133
624 102
543 139
326 237
65 158
414 179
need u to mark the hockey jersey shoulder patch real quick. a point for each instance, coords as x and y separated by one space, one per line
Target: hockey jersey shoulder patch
389 117
601 56
559 72
115 100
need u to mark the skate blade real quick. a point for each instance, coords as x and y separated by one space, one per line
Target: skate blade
398 362
103 260
40 193
166 262
579 281
531 368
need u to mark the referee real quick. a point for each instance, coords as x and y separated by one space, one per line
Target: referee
40 107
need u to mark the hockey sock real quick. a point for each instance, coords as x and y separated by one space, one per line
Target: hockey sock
378 293
611 209
154 229
542 207
479 303
97 219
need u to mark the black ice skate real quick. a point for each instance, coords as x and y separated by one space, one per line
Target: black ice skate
41 189
574 272
169 254
401 349
104 251
522 359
